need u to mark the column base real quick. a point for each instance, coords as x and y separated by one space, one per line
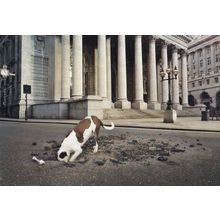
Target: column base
64 99
76 97
140 105
123 104
154 106
185 105
170 116
164 106
107 104
177 106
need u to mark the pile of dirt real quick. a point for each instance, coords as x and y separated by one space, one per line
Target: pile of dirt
116 149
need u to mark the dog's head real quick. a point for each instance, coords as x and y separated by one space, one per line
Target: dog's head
63 155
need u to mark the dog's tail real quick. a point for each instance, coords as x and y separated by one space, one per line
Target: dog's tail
109 128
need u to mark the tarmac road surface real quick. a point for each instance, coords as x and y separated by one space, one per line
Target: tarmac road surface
196 163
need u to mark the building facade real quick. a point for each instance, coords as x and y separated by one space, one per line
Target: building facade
72 76
204 71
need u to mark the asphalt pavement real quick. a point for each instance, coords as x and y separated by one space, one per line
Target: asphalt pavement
196 163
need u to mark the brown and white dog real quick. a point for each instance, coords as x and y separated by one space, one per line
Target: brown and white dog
71 146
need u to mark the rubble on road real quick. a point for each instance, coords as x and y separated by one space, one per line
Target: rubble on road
117 150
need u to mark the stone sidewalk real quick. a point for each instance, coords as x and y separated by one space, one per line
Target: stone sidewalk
183 123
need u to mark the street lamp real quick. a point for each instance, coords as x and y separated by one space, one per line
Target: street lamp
4 72
170 114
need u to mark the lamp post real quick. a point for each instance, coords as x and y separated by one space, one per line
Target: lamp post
4 73
170 114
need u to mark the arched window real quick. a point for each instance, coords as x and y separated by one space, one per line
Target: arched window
218 100
205 99
191 100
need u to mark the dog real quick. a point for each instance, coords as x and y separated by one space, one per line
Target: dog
71 146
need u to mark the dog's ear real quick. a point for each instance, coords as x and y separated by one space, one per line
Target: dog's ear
62 155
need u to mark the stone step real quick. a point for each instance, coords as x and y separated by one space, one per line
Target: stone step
131 114
137 114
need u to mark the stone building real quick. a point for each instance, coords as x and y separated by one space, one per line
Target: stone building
74 76
204 71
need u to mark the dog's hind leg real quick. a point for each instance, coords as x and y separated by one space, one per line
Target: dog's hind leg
96 136
75 155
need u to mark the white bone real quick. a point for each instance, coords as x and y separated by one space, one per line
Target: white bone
40 162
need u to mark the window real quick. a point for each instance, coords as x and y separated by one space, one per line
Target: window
201 63
194 66
200 83
193 84
217 46
209 60
193 76
207 81
200 73
216 79
193 56
217 58
200 53
217 69
209 71
208 50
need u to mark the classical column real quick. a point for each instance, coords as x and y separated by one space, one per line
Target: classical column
96 70
184 79
196 60
139 99
204 57
175 97
122 101
65 68
159 83
164 83
102 71
212 58
102 81
77 80
153 103
108 69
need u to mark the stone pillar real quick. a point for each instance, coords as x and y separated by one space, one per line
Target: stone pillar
102 81
65 68
152 75
139 90
96 70
184 79
190 66
109 73
16 69
212 58
164 83
122 101
102 71
175 97
196 60
159 83
77 79
204 57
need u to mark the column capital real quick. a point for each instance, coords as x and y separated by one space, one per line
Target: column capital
152 38
164 43
174 49
183 52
